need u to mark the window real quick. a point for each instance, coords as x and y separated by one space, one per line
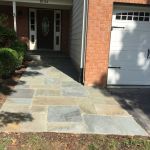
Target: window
135 16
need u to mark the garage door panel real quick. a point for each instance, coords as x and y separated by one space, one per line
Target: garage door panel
127 37
129 58
127 77
121 47
130 26
126 55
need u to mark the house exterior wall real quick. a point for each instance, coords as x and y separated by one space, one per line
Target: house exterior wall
76 32
7 10
23 24
98 39
22 21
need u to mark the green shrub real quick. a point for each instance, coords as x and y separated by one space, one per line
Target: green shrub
7 36
20 48
8 61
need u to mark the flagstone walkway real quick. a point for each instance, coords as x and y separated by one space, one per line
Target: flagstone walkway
48 98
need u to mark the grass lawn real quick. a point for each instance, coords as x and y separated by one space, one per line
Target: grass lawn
53 141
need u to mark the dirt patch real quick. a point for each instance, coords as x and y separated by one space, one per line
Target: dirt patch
46 141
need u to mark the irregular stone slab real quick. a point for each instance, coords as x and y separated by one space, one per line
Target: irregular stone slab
74 91
22 93
51 81
45 92
67 127
70 83
53 100
23 101
87 108
13 107
111 110
22 87
64 114
39 109
38 124
113 125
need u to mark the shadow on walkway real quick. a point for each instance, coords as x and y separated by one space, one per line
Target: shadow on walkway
9 118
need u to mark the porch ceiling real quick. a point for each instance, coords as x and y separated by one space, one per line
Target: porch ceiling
55 4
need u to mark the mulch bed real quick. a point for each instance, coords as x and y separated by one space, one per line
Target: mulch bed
57 141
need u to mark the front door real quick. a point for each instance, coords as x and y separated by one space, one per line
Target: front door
45 29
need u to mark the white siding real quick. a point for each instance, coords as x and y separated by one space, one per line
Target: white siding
76 32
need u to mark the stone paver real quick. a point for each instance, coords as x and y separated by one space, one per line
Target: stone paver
64 114
113 125
52 100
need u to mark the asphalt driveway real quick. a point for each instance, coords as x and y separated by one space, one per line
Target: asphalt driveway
136 101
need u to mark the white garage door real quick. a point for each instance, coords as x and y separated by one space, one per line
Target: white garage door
129 58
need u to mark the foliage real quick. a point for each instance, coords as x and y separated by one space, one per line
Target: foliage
7 36
3 20
20 48
8 61
12 51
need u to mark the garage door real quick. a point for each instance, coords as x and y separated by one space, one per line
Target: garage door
129 58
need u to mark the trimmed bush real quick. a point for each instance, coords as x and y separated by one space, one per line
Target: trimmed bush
8 61
20 48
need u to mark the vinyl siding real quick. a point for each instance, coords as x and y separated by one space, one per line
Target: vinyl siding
76 32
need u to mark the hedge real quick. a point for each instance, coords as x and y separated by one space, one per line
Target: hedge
8 61
20 48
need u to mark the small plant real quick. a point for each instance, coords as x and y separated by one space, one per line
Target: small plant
92 147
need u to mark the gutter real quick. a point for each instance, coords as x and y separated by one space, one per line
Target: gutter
84 40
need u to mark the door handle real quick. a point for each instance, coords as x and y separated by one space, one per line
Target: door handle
148 53
114 67
116 27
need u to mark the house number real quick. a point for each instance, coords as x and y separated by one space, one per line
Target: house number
44 1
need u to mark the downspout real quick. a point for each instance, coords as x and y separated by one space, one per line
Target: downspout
14 15
84 40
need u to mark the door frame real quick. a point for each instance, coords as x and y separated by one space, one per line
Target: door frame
33 34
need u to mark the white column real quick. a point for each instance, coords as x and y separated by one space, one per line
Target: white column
14 15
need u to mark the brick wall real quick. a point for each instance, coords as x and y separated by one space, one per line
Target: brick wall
22 21
65 31
23 24
7 10
98 39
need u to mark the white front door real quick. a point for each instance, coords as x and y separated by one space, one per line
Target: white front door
57 30
129 58
32 29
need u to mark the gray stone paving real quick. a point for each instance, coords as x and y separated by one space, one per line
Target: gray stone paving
49 92
64 114
113 125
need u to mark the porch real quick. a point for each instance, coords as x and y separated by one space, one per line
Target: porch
49 25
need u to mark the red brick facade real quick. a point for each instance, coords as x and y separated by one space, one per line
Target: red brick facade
22 21
98 39
23 24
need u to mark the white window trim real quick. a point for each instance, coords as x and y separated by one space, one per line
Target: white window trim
57 47
33 46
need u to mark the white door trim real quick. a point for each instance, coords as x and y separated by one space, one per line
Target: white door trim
57 34
32 29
